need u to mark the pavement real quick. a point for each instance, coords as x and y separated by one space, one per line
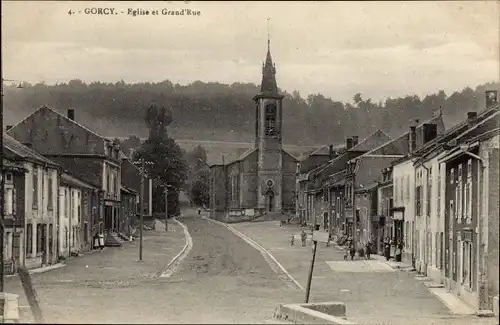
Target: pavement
106 286
374 291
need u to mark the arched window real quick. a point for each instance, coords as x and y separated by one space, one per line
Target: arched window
271 119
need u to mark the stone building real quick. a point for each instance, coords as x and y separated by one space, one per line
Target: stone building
262 178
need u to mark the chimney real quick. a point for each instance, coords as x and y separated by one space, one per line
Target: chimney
330 151
430 132
71 114
412 139
355 140
471 117
8 127
348 143
491 98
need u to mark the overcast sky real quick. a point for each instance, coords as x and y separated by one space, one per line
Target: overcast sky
380 49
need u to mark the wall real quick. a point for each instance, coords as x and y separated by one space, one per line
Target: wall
218 177
493 219
288 187
405 170
70 205
42 212
130 177
248 181
87 169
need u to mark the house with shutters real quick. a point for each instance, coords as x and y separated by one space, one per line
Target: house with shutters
31 206
81 152
457 208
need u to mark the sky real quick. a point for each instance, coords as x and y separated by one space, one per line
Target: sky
380 49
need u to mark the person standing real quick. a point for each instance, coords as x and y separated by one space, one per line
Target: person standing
387 250
352 251
303 237
368 250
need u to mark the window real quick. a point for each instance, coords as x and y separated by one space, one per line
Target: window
454 261
67 199
467 264
438 203
9 179
50 196
79 207
459 194
452 210
270 125
39 235
29 238
9 201
402 184
468 193
66 239
35 187
452 176
408 188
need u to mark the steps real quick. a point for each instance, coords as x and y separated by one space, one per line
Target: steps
112 241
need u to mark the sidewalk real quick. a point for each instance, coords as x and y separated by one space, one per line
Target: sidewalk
91 280
372 290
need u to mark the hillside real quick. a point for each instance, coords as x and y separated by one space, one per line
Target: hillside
213 111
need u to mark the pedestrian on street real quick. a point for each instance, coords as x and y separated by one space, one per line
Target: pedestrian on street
368 250
303 237
387 250
352 250
346 252
292 241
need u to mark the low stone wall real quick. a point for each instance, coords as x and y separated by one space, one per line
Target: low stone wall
314 313
10 307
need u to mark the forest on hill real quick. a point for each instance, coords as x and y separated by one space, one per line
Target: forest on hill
214 111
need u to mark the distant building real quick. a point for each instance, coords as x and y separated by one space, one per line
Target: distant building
263 178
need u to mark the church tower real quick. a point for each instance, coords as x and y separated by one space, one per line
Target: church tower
268 138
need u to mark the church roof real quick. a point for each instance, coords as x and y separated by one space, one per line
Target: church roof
269 86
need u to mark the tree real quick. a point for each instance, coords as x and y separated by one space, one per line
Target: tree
200 188
167 166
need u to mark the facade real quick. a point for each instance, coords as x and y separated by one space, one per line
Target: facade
130 203
131 179
78 217
14 175
39 243
263 178
76 148
384 211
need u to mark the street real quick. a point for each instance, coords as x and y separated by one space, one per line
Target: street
222 279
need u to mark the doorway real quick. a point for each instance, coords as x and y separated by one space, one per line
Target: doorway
270 200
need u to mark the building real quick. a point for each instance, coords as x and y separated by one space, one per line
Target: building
14 176
406 188
79 150
263 178
471 219
39 209
131 179
313 184
384 211
130 209
78 218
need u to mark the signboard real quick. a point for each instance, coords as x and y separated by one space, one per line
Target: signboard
398 215
320 236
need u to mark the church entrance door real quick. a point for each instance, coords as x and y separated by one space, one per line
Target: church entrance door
270 201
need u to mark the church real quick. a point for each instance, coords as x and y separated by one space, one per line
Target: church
262 179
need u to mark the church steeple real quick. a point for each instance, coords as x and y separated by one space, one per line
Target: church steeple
269 85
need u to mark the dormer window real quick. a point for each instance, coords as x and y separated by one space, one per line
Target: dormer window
8 178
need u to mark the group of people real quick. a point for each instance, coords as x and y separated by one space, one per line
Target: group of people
388 243
350 250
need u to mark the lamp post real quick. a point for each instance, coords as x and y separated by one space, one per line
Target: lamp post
2 189
166 186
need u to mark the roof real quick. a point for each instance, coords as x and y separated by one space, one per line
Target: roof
25 152
76 182
325 150
371 141
456 131
12 165
269 84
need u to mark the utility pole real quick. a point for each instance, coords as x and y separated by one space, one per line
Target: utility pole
142 209
166 207
311 269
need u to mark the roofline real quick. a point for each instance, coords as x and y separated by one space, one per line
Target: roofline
35 160
368 137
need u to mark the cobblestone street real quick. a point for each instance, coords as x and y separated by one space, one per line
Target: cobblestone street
373 292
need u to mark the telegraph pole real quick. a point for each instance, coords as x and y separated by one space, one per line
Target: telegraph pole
2 193
142 209
166 207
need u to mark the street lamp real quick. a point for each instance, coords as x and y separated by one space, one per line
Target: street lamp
2 189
